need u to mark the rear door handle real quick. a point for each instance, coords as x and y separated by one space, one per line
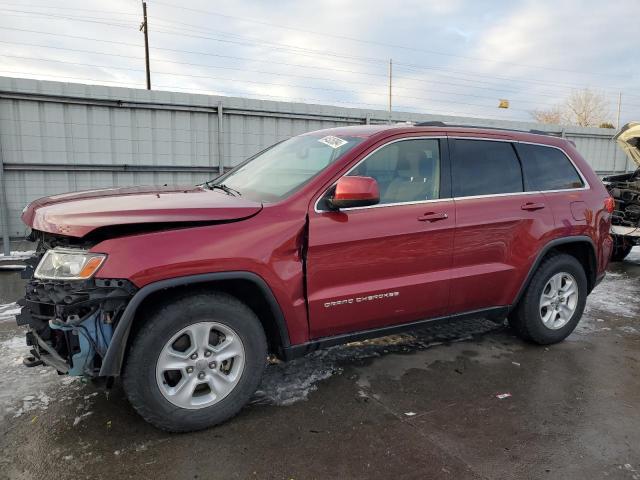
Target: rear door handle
433 217
532 206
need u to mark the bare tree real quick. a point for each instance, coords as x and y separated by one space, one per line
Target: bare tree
552 115
584 108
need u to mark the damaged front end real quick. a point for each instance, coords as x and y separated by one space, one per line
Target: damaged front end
625 190
69 314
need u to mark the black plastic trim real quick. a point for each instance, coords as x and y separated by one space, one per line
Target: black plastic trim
114 358
296 351
545 250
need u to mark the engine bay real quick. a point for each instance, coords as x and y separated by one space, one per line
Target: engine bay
625 190
70 321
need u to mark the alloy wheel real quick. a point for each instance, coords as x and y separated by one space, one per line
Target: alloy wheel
559 300
200 365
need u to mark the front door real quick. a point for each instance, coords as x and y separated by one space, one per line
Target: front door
369 267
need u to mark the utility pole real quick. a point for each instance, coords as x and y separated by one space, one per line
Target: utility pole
390 86
619 108
144 27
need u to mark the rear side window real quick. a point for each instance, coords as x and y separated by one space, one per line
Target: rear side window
547 168
483 167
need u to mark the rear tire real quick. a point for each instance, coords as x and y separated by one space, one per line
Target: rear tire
219 350
620 249
553 302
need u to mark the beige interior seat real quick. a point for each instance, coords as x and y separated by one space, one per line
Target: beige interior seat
417 179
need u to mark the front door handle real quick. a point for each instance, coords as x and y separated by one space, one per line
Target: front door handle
433 217
532 206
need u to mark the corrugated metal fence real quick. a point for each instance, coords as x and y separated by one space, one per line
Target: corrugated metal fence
58 137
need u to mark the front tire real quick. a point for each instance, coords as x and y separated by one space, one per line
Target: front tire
553 303
195 362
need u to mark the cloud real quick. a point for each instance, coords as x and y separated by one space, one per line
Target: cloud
456 57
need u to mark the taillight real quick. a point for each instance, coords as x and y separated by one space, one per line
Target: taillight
610 204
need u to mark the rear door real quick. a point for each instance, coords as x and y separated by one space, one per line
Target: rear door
500 226
386 264
549 170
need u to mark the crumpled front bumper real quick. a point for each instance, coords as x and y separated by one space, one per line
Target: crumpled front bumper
70 322
626 231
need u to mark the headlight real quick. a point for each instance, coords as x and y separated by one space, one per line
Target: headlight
68 264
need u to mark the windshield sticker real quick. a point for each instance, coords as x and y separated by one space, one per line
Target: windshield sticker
333 142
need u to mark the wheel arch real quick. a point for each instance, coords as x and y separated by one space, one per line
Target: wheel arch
581 247
246 286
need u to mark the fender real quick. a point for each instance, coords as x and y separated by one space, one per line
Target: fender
543 252
114 358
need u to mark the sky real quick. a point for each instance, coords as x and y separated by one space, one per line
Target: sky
455 57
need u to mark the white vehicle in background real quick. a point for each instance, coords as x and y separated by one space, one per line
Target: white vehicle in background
625 189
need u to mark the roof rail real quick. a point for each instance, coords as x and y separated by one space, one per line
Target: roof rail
437 123
433 123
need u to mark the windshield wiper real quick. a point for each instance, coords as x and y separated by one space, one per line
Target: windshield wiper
224 188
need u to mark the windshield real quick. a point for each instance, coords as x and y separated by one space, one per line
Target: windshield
275 173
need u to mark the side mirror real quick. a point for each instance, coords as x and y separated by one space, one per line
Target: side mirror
354 192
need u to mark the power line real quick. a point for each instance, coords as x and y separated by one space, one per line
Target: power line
372 42
301 53
405 108
257 71
77 37
422 81
22 44
66 17
408 65
57 7
345 58
277 74
203 53
311 87
190 89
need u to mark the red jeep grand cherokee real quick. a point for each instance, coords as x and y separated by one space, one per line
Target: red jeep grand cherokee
322 239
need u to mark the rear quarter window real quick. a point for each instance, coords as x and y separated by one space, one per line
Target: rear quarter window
547 168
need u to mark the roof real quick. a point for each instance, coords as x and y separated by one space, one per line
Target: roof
435 128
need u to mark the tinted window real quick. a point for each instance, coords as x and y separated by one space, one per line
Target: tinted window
406 171
484 167
547 168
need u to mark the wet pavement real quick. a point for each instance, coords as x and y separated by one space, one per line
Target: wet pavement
465 400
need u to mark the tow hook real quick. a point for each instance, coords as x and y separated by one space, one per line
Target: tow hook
32 361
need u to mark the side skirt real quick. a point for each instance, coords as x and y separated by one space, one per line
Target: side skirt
297 351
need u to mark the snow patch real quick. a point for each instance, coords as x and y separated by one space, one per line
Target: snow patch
79 418
17 255
25 390
634 256
9 311
628 329
613 297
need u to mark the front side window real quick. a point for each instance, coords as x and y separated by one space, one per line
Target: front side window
482 167
275 173
406 171
547 168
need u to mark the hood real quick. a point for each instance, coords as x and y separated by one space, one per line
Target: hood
628 139
78 214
